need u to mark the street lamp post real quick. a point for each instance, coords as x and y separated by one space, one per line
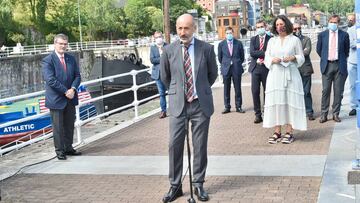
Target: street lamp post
81 46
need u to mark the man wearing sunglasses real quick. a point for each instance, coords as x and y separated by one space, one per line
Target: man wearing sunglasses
305 70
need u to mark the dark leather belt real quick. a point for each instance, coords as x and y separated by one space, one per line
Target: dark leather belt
334 61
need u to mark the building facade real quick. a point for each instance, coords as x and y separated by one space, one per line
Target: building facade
208 5
299 13
232 8
269 7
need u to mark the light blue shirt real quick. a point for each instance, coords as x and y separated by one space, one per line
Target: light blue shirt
352 53
192 60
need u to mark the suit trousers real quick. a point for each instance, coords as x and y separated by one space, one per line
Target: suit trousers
199 128
307 93
62 121
332 76
258 77
236 78
162 91
352 72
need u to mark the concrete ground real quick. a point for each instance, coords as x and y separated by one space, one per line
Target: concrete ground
130 164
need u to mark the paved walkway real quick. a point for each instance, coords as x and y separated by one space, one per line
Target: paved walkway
130 164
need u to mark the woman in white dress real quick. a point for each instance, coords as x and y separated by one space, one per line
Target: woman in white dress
284 96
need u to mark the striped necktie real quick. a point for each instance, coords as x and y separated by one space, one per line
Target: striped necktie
261 59
189 91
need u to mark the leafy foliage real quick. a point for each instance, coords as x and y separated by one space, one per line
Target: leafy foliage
39 20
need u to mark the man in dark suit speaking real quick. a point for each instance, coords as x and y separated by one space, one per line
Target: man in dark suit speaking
62 78
188 69
231 57
333 48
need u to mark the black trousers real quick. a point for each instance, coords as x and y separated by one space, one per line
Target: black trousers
307 93
236 78
258 77
62 121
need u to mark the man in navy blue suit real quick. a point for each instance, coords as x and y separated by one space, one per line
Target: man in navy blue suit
62 78
155 54
333 48
231 57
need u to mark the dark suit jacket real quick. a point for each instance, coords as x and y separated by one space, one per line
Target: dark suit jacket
172 74
322 48
255 53
306 69
155 60
225 59
57 81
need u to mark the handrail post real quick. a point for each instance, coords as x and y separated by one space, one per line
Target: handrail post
135 88
78 125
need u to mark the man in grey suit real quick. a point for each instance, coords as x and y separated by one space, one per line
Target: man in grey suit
306 70
188 69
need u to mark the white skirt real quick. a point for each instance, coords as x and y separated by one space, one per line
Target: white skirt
284 98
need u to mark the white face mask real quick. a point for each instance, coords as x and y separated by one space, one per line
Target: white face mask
159 41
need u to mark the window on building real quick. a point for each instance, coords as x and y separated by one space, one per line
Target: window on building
233 21
226 22
219 22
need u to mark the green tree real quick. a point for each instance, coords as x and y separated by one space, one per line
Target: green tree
157 18
6 19
63 18
140 23
16 37
268 18
101 17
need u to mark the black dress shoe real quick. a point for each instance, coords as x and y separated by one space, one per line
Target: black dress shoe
225 111
173 194
61 156
73 153
336 118
239 110
352 112
311 117
323 119
201 194
258 119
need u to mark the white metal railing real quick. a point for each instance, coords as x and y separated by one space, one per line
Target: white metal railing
77 46
73 46
79 122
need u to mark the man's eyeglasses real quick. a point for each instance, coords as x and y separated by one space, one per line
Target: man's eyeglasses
297 28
